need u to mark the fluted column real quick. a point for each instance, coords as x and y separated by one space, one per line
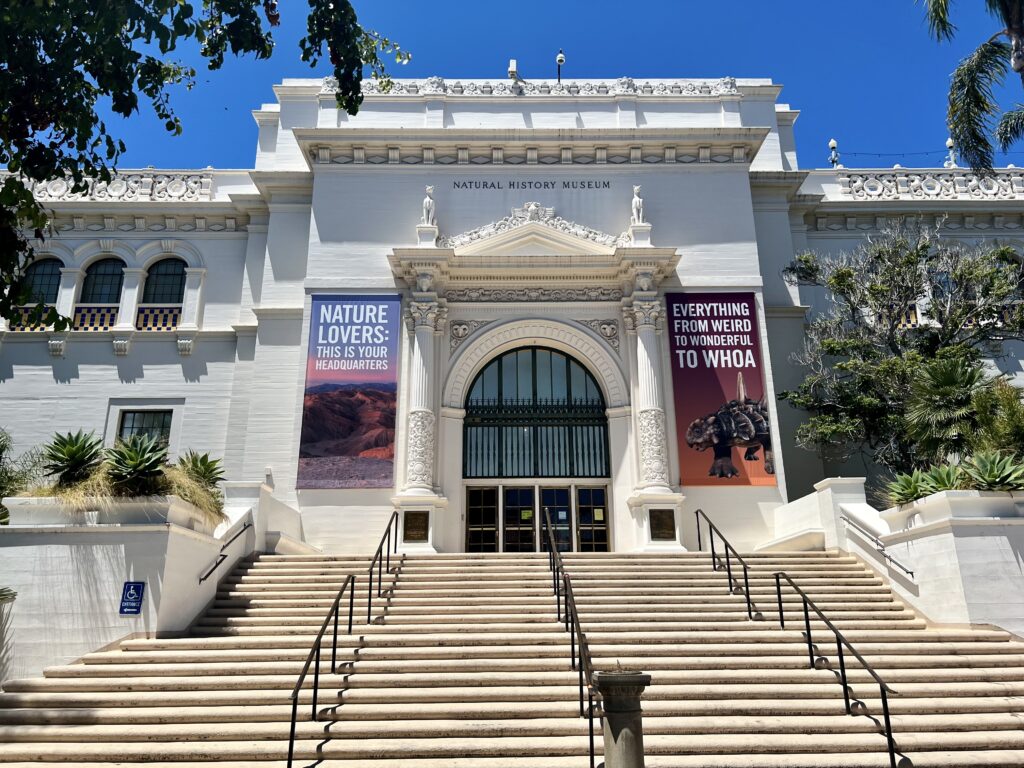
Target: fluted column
424 316
643 316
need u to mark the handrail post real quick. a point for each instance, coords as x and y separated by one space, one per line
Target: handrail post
316 679
842 675
291 738
351 602
746 591
387 548
778 591
334 647
807 625
369 596
700 547
728 569
590 711
888 726
711 539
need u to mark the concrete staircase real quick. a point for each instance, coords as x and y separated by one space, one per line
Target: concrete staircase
465 666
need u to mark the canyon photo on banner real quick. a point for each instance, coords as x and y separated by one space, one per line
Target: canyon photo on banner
722 419
348 410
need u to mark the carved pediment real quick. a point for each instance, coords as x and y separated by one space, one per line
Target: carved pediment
534 230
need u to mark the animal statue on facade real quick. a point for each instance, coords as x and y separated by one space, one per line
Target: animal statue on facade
429 216
637 215
740 423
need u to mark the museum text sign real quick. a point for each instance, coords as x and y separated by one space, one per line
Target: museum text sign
348 411
719 390
529 184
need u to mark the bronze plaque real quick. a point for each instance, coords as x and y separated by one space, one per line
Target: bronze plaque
417 527
663 525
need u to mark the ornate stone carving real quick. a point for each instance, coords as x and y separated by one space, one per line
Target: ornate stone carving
131 187
534 212
533 294
186 345
608 330
420 468
636 207
900 184
429 216
56 346
463 329
424 282
122 345
653 447
423 313
645 312
435 86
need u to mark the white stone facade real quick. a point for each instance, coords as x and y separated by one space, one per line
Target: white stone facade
529 237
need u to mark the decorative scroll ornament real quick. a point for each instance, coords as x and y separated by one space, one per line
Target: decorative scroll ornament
463 329
534 212
653 447
608 330
903 184
437 86
645 313
420 469
533 294
424 314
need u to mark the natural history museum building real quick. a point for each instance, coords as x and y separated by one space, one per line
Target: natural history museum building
474 302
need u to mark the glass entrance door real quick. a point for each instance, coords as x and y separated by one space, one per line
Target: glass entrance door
519 518
481 519
592 519
557 503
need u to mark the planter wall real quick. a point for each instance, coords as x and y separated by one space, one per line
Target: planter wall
152 510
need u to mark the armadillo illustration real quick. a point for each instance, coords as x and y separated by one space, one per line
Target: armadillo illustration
741 423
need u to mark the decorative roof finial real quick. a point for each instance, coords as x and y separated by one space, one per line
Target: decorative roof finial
951 157
833 155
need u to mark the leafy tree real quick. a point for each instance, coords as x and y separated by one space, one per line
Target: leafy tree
972 105
60 58
862 356
942 417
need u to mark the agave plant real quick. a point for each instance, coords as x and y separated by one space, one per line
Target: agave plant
136 465
201 468
72 457
7 595
905 488
994 471
943 477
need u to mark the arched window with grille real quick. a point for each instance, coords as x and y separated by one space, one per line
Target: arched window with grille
100 297
537 413
163 294
41 283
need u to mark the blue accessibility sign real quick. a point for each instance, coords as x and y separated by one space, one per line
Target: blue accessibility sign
131 598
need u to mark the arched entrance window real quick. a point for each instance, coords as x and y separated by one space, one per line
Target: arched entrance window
535 412
535 446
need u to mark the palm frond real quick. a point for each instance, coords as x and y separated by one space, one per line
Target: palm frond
1010 128
972 106
937 14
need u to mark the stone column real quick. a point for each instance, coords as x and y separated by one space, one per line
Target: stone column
643 316
67 294
424 316
128 307
623 719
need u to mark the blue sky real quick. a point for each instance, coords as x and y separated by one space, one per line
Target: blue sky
865 72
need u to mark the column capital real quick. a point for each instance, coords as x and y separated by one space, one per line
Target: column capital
643 313
425 314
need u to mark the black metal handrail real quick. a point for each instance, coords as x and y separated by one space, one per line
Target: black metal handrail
879 544
314 658
841 641
381 560
382 554
581 661
718 565
221 557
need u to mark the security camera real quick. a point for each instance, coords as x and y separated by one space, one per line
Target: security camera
560 58
513 70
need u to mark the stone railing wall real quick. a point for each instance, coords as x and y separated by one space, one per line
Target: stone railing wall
916 184
132 186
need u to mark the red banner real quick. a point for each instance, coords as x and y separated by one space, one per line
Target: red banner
722 422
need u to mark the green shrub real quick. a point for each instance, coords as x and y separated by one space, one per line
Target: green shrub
201 468
905 488
136 465
943 477
993 471
72 457
1000 410
941 415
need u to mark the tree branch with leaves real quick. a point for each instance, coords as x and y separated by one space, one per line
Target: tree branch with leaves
60 58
